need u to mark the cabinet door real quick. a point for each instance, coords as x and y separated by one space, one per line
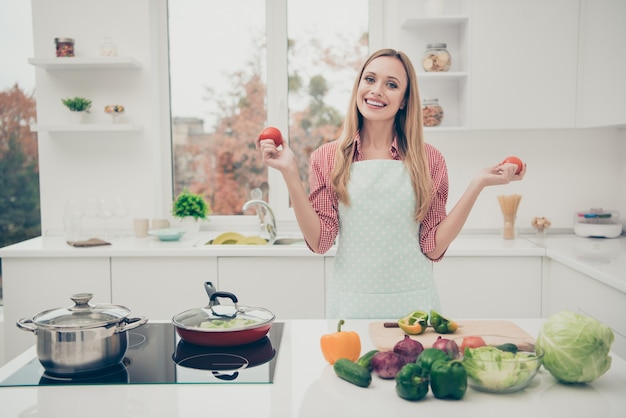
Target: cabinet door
33 285
602 85
159 288
489 287
568 289
291 287
524 64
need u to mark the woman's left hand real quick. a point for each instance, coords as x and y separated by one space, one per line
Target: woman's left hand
502 174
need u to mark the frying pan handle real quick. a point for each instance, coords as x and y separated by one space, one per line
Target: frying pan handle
210 289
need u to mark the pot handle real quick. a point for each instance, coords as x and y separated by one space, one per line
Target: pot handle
27 325
132 323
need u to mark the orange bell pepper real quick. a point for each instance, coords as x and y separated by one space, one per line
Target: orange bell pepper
341 344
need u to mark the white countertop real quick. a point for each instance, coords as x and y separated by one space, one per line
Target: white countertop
602 259
306 386
193 246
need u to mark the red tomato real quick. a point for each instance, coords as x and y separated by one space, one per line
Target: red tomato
272 133
472 342
514 160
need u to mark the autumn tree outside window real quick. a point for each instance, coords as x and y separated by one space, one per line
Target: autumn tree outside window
220 97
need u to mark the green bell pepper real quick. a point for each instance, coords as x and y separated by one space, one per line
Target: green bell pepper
412 382
448 379
429 356
414 323
441 324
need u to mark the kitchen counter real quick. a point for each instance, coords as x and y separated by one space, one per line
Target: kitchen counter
306 386
193 246
602 259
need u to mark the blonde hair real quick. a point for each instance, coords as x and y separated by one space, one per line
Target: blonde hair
409 133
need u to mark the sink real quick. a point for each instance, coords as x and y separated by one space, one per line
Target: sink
289 241
235 238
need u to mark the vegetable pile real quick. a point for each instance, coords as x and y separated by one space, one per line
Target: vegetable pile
414 368
576 347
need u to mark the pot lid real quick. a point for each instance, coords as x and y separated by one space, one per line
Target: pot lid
82 315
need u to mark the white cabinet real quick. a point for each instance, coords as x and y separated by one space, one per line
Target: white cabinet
34 285
568 289
489 287
524 64
291 287
161 287
602 85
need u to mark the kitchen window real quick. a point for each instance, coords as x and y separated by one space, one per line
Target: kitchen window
285 63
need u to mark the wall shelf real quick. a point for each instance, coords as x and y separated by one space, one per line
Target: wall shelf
452 75
121 127
90 63
421 22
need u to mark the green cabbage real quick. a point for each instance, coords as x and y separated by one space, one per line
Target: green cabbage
576 347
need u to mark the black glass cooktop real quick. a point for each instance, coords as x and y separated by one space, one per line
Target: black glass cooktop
156 354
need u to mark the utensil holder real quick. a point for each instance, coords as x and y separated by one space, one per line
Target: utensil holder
508 231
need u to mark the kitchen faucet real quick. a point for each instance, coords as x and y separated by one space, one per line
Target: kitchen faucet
265 210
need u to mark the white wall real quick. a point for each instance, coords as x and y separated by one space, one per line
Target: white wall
568 171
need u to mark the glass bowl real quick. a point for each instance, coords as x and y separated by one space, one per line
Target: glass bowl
503 365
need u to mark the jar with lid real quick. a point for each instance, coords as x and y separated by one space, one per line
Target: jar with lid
108 48
432 112
65 47
436 58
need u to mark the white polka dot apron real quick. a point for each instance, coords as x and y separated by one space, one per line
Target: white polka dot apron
379 270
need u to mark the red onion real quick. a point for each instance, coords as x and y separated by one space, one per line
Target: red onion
387 364
409 349
450 347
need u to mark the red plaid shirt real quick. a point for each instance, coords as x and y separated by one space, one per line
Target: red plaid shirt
326 203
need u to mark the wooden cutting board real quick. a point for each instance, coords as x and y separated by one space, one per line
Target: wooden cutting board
385 338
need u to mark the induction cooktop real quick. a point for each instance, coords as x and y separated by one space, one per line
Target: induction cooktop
157 355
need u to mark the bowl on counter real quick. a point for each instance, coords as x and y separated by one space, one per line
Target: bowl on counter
167 234
502 365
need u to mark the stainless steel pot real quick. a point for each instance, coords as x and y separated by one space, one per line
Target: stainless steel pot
82 338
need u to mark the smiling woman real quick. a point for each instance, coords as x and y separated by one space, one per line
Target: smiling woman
222 97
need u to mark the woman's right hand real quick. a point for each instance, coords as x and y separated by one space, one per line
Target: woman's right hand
281 159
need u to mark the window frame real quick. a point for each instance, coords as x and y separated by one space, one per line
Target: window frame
278 113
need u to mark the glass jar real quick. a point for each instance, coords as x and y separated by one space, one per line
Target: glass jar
432 112
65 47
108 48
436 58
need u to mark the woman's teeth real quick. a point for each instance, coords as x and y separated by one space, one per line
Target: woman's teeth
374 103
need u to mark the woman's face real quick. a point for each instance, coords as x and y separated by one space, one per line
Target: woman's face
382 88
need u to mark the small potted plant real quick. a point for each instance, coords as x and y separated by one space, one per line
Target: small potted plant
190 208
77 106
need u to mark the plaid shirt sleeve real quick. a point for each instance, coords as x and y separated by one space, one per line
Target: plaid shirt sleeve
437 211
322 196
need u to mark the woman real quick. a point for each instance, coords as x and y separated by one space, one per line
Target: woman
383 191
